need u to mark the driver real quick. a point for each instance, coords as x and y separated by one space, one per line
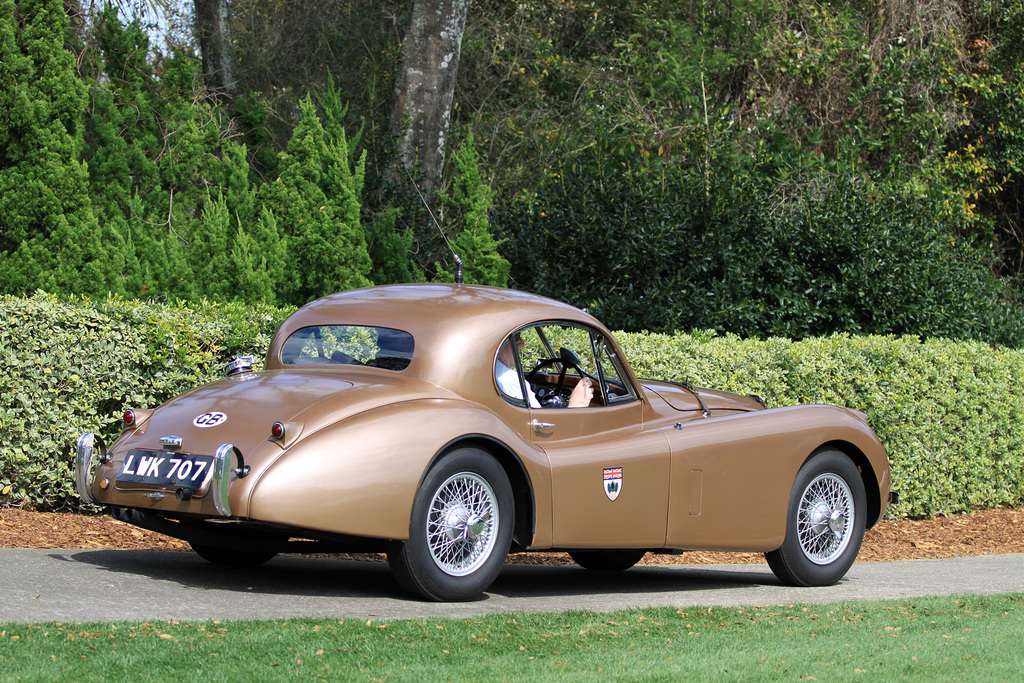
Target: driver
508 379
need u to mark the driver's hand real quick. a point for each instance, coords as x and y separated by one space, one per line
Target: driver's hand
582 394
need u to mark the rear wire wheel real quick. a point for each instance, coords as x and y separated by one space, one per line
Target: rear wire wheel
460 530
825 522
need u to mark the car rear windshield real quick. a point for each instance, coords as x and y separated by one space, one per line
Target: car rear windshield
378 347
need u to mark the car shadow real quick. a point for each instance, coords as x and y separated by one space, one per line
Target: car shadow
527 581
283 575
330 578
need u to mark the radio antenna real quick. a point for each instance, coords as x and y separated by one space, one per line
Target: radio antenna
430 212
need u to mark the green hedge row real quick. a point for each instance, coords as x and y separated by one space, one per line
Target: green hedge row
72 367
950 414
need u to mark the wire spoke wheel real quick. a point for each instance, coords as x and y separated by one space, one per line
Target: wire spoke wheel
825 518
460 529
461 523
825 522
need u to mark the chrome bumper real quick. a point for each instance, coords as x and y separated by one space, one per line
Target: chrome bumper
85 459
222 472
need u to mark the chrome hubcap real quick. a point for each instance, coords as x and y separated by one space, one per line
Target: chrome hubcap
824 518
461 524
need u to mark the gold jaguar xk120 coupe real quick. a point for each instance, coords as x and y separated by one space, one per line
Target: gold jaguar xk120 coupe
449 425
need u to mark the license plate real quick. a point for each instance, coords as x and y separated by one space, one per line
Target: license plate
162 468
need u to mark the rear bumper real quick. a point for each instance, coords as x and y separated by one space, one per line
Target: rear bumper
90 451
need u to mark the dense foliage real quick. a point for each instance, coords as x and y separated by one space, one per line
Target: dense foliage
136 183
949 413
759 167
72 367
667 249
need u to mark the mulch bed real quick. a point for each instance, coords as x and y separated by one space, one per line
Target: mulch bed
985 532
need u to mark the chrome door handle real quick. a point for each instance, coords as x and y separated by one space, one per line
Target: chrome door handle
537 425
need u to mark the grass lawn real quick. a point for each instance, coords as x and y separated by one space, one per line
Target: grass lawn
969 638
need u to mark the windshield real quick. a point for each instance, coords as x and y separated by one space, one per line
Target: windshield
378 347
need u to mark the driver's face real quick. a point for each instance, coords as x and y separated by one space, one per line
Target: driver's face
506 356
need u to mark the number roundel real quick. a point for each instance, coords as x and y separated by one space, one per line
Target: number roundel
211 419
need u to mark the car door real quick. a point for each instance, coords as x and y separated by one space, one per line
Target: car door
610 478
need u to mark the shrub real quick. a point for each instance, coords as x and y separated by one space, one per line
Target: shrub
949 413
72 367
667 249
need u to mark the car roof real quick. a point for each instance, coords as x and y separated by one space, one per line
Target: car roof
456 328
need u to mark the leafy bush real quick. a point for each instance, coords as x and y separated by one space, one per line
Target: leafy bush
949 413
72 367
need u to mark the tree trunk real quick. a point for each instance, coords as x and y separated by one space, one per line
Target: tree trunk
425 86
214 35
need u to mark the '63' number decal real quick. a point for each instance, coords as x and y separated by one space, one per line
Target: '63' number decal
209 419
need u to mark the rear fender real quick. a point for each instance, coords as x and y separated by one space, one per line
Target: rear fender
359 477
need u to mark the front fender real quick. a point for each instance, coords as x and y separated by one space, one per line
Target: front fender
359 476
732 476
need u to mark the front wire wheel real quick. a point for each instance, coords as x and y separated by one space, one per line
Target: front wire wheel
825 517
460 529
825 522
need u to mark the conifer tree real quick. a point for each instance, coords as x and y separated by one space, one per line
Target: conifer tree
49 236
250 279
239 191
273 247
326 241
473 242
122 136
157 264
390 250
210 253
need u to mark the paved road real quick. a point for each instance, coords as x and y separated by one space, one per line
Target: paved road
135 585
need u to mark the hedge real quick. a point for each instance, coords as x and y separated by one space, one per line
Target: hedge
950 413
73 366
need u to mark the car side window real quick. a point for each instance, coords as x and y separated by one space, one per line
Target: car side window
378 347
560 365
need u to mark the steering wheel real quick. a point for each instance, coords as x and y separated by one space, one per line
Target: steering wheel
558 397
551 398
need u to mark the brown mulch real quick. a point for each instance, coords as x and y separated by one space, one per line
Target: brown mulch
986 532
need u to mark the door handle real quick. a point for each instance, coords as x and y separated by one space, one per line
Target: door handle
537 425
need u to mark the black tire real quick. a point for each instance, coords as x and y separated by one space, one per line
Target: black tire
606 560
232 558
460 529
824 524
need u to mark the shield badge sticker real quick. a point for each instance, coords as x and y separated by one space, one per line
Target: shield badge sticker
612 482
